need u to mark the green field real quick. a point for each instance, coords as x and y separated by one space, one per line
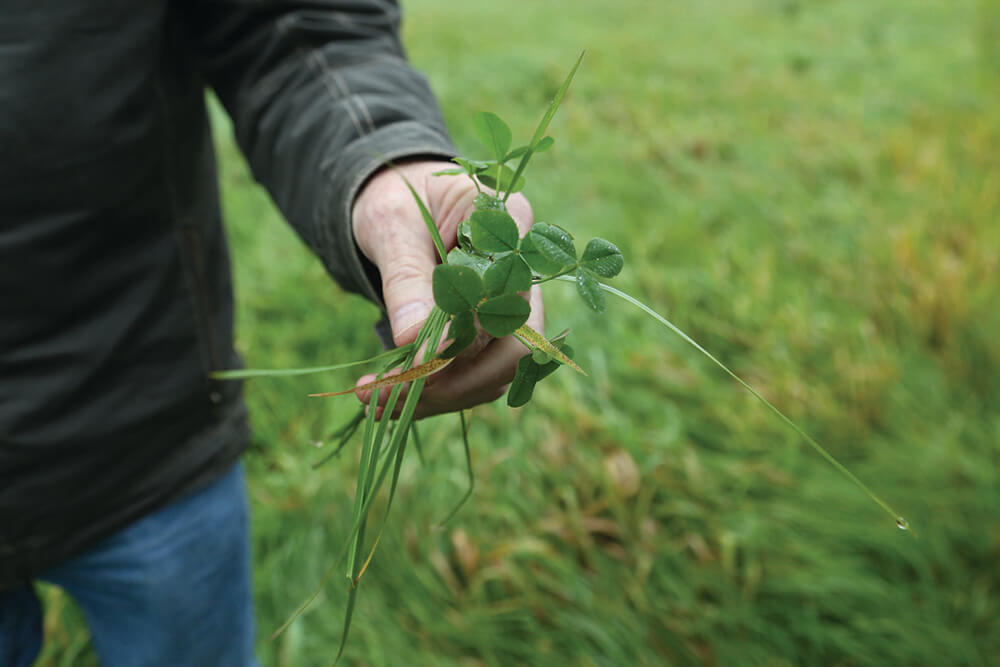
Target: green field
812 191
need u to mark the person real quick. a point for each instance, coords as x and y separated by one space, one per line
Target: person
119 454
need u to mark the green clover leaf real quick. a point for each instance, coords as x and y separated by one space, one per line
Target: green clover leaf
507 275
502 315
456 288
493 231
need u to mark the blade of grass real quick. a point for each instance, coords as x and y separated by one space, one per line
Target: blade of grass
533 338
434 326
342 435
417 444
374 436
436 316
543 125
365 472
423 370
468 467
900 521
329 572
247 373
425 214
352 595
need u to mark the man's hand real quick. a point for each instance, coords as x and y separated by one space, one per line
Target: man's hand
391 233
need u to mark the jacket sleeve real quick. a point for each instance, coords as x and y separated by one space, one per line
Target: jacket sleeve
320 94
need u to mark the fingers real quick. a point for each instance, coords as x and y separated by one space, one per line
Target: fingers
476 376
482 378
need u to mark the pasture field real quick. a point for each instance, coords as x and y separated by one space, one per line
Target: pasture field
809 189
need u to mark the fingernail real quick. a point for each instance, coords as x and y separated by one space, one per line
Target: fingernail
408 316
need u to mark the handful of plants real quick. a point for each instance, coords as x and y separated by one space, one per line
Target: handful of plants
482 280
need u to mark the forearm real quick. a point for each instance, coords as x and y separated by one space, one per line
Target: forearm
320 97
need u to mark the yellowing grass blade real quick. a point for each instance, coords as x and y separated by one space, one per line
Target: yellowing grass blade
423 370
543 344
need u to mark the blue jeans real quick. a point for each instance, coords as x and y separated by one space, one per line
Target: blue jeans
170 589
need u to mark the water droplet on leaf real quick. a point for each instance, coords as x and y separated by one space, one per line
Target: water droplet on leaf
902 523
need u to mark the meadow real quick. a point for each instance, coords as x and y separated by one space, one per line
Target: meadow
809 189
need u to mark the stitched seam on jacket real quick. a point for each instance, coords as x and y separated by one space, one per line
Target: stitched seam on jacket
316 60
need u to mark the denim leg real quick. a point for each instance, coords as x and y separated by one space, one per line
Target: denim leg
173 588
20 626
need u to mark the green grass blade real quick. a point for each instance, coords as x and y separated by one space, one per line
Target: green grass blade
342 435
900 521
350 542
418 445
468 467
394 455
358 519
352 596
543 125
312 597
247 373
550 113
369 458
426 215
435 323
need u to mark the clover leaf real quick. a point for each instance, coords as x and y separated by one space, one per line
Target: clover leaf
462 333
460 257
548 249
493 231
588 288
493 132
502 315
456 288
507 275
603 258
506 181
529 372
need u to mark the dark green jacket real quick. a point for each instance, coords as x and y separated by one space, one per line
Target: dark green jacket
115 294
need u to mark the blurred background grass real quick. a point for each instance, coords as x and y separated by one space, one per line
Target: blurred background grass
811 190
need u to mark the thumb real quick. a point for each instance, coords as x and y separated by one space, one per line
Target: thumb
407 291
390 232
